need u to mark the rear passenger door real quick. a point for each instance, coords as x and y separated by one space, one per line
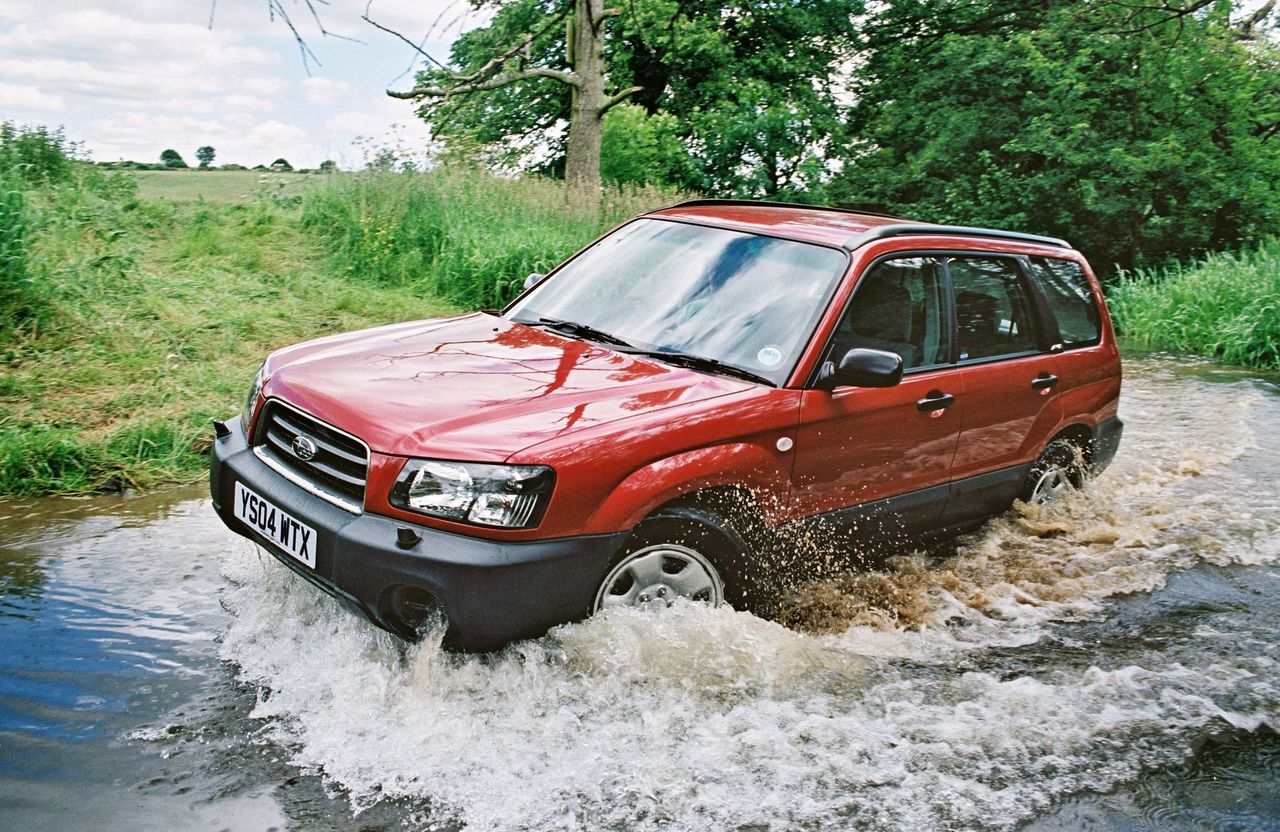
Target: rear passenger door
1008 377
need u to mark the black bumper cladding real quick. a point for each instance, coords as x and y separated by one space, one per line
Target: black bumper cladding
490 592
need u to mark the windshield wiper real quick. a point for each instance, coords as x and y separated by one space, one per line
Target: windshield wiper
698 362
575 328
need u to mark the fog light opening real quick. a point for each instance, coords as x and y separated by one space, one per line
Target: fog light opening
415 612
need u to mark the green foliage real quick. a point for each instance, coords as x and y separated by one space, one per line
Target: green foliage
1226 306
170 158
1134 135
738 95
467 237
18 300
282 165
154 314
35 154
639 149
328 166
205 155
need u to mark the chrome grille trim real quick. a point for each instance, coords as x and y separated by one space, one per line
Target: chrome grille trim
336 474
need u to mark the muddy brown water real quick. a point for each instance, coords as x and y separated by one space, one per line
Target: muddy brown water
1107 663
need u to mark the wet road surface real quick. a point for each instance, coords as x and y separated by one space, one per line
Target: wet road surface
1106 663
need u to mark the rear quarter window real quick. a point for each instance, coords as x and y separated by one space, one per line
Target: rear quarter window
1070 296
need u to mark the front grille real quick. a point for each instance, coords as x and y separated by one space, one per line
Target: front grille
339 468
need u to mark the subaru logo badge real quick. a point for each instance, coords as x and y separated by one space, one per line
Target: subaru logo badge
303 447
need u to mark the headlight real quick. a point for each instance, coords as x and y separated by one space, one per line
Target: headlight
251 403
509 496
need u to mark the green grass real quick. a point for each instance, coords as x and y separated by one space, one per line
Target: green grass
1226 306
160 292
157 314
136 305
464 236
243 186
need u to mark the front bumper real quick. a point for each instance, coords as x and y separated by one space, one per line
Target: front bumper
491 592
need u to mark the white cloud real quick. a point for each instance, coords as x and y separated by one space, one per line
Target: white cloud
141 75
326 90
15 97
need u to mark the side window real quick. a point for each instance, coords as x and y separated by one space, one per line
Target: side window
898 307
993 313
1071 298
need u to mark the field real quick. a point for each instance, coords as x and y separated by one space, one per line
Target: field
136 306
241 186
151 319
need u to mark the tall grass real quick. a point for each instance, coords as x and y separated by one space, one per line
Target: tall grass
465 236
157 314
1226 306
18 301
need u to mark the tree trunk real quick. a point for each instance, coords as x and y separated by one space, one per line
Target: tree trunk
586 124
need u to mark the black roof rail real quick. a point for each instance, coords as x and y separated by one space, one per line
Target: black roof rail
898 229
763 203
903 229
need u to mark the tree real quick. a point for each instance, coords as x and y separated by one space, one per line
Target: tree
171 159
744 86
281 165
580 67
205 155
1138 132
328 166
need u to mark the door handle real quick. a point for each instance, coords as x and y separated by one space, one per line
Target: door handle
935 400
1044 381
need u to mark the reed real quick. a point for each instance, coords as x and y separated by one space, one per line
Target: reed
1226 306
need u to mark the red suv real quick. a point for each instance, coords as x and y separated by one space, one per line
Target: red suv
649 420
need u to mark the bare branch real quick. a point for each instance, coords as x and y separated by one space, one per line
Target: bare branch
1247 29
615 100
523 47
604 15
492 84
416 47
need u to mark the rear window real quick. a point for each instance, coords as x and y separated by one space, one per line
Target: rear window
1071 298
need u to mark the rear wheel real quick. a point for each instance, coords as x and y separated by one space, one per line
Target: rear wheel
1058 471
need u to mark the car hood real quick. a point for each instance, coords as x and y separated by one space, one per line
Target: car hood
474 387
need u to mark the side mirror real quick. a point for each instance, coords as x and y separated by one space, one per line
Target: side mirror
533 279
862 368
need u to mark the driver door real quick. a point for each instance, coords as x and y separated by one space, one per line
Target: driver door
864 445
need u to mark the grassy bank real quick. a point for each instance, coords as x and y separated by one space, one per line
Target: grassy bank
1226 306
466 237
143 319
135 307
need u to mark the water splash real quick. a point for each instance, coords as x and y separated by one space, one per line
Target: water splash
933 695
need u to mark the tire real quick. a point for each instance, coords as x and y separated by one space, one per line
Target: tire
1059 470
679 553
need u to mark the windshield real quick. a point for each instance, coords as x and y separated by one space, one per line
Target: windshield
741 299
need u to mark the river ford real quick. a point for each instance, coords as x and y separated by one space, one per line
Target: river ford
1108 662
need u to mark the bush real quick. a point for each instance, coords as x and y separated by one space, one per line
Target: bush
468 237
35 154
170 158
1226 306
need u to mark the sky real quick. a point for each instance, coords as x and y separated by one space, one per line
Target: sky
130 78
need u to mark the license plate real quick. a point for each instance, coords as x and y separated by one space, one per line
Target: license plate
275 524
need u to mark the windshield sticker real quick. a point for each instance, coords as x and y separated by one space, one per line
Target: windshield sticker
769 356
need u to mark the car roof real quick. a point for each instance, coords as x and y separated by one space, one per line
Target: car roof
846 228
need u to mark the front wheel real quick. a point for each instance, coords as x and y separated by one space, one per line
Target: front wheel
686 554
